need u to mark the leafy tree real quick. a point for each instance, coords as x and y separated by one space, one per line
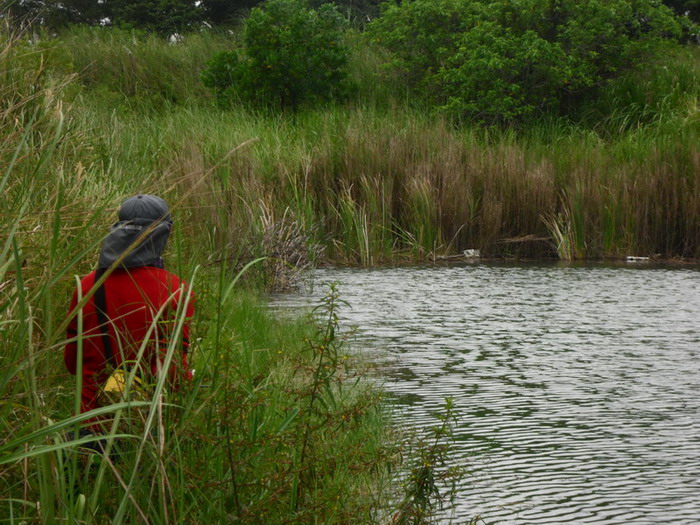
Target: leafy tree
498 74
163 16
498 61
226 12
293 55
423 35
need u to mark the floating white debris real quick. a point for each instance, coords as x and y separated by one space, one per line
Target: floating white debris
632 258
472 254
175 38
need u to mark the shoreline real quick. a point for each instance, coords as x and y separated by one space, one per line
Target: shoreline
461 260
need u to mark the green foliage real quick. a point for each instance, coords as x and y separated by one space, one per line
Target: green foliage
497 62
162 16
422 35
56 13
226 12
293 55
225 76
328 364
358 12
688 12
432 479
223 448
137 69
376 183
497 74
664 90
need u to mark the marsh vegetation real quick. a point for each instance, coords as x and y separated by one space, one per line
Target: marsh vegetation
375 176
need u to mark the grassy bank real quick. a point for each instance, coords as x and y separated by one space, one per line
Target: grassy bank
279 425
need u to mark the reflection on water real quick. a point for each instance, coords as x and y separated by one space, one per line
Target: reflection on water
577 387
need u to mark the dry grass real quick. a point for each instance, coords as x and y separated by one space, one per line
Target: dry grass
374 188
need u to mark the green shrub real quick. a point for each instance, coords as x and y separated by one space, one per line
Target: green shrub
224 76
495 61
293 55
422 35
497 74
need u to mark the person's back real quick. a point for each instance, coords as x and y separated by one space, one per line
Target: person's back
134 299
134 310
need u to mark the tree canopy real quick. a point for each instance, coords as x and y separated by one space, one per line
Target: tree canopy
689 8
293 55
495 61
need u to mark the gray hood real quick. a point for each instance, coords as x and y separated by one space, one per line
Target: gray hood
139 214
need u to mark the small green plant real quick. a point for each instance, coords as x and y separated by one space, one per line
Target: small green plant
326 362
432 480
293 55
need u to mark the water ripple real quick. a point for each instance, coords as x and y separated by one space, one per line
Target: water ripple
577 386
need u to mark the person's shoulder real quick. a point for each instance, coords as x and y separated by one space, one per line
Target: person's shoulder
89 279
165 276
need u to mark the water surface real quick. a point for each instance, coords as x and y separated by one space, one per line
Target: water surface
577 387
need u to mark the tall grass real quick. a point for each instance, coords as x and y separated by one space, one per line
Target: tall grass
375 187
227 447
137 70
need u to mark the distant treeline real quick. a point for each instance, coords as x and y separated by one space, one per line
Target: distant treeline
162 16
169 16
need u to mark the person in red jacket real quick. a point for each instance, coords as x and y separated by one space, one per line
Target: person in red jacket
135 308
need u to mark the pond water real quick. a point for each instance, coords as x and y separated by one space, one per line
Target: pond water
577 387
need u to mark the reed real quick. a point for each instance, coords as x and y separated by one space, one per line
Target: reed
378 190
373 187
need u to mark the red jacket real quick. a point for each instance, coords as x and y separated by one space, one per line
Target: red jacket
133 298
